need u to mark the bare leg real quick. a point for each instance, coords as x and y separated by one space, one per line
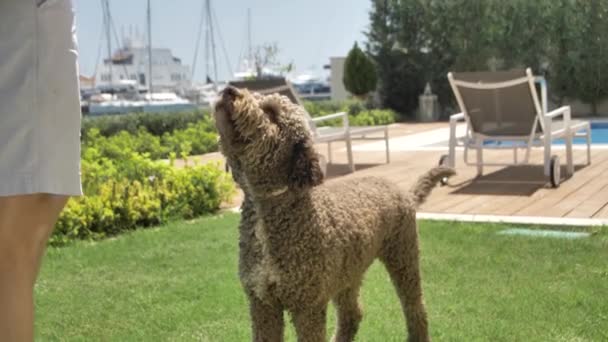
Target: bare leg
401 259
349 314
310 324
267 321
26 222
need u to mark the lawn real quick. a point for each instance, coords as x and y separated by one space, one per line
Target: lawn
179 283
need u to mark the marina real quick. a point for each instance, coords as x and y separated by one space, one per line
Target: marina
138 77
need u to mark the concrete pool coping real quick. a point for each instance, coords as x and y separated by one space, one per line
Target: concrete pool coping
545 233
435 140
529 220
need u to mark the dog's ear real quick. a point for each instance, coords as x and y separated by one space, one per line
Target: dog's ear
305 168
272 109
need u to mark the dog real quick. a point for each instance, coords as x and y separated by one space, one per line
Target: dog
304 242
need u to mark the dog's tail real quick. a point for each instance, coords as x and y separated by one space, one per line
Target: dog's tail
421 190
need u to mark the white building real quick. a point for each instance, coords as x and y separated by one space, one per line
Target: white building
338 91
130 65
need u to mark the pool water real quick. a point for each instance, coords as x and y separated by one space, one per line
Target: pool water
599 135
599 132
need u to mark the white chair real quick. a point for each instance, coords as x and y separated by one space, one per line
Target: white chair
502 110
327 135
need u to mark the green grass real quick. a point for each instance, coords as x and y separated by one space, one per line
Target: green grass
180 283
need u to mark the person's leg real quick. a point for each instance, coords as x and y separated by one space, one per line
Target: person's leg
26 222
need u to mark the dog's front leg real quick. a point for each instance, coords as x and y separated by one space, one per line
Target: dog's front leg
310 323
266 321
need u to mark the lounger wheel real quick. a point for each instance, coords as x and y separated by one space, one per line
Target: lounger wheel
443 161
555 169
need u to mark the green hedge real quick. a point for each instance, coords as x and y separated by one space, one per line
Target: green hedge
126 189
196 138
320 108
155 123
373 117
359 113
122 204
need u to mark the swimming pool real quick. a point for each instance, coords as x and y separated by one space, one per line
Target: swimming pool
599 134
437 140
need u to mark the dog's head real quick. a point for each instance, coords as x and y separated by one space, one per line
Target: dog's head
266 141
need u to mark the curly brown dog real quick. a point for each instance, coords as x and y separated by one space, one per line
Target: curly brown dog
304 243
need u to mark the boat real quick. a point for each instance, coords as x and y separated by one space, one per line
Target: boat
137 77
311 86
150 103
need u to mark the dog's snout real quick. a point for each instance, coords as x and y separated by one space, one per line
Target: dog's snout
225 104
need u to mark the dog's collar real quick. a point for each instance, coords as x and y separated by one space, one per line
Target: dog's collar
270 194
279 191
274 193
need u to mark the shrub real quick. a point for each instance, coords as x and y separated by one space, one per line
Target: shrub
320 108
359 73
134 192
359 113
155 123
374 117
355 108
127 187
196 138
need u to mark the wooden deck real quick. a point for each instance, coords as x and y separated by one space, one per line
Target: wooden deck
505 191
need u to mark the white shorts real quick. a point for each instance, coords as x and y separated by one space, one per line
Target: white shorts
39 98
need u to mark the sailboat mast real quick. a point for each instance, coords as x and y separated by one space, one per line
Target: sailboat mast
108 22
211 34
207 26
249 48
198 41
149 50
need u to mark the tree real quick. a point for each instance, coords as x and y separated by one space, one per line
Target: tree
392 42
578 53
467 35
265 55
359 73
591 53
564 40
564 35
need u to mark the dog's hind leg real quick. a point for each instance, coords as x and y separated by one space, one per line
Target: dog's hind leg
349 314
400 255
266 320
310 323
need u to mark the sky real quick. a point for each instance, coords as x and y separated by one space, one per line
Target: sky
307 32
